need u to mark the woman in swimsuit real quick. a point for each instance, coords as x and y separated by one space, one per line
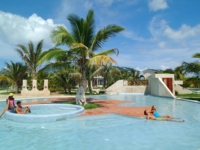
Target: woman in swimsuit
155 116
10 104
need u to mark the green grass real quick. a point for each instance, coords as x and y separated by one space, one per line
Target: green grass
190 96
87 106
7 93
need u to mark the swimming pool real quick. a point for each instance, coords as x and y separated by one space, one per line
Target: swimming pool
108 132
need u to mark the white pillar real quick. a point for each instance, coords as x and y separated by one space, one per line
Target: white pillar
34 85
46 84
24 84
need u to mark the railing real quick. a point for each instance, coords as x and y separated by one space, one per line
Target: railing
135 82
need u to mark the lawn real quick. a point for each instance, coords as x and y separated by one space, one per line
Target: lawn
190 96
87 106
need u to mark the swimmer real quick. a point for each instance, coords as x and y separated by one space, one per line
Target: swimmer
150 116
19 108
10 104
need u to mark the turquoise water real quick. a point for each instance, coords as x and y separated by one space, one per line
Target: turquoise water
110 132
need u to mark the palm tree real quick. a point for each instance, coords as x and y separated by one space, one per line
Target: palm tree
179 73
15 73
82 43
92 71
31 56
192 69
196 55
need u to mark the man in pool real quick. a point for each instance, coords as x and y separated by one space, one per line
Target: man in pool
153 115
19 108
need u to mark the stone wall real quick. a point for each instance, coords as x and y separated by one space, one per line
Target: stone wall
35 91
118 87
180 90
159 88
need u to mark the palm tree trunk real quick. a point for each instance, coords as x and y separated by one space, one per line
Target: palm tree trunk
104 82
89 86
34 73
80 95
69 90
16 88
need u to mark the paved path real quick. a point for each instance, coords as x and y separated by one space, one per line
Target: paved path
109 106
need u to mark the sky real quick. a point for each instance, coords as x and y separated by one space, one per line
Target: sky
159 34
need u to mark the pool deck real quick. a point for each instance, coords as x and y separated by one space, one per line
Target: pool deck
106 106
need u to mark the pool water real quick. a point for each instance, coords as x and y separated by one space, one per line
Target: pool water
110 132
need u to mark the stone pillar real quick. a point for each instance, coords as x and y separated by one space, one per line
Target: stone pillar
45 84
34 84
24 84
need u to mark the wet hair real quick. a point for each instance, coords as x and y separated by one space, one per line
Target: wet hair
18 102
145 112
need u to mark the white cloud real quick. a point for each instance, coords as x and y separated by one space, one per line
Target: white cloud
15 29
88 5
105 3
183 32
162 44
163 67
160 28
155 5
132 35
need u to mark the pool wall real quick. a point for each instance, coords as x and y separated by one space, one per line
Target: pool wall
46 118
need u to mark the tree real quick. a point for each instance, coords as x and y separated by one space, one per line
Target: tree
15 73
192 69
91 71
196 55
179 73
105 73
82 43
66 79
31 56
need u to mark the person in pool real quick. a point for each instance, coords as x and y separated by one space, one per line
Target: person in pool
19 108
10 104
156 114
153 115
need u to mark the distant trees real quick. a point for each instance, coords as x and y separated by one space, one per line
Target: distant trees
15 73
31 56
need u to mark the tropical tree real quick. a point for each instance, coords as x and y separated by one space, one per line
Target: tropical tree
31 56
179 73
192 69
66 79
106 74
92 71
82 43
196 55
15 73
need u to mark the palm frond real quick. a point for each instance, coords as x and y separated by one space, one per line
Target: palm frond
77 27
53 53
61 36
109 52
104 34
101 60
197 55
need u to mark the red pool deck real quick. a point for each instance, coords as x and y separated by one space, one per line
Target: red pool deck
106 107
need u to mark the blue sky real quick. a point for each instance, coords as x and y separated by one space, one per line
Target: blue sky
159 34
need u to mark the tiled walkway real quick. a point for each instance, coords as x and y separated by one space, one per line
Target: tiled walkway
109 106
